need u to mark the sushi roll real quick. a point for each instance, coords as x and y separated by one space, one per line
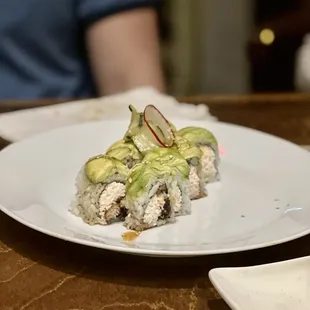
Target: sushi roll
193 156
126 152
208 144
169 161
157 193
100 197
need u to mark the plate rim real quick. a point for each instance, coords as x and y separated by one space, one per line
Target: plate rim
149 252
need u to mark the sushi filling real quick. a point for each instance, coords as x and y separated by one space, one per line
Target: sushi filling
177 201
208 163
111 202
159 207
194 183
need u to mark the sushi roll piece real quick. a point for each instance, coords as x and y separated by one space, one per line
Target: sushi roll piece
100 197
169 161
193 156
208 144
156 194
126 152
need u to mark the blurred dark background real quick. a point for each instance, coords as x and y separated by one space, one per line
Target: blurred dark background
213 46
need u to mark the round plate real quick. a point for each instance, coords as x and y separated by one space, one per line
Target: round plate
262 199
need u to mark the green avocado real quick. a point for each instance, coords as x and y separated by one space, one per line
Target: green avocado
167 159
198 136
187 149
100 168
142 177
122 150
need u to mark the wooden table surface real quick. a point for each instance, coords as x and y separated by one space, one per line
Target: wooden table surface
38 272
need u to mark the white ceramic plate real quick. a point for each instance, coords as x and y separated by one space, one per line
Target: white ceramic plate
262 200
277 286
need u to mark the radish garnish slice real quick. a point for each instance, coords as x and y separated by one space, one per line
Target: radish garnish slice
159 126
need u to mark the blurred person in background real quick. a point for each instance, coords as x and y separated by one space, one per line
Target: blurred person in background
302 60
77 48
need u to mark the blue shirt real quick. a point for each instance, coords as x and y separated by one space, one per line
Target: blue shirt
41 46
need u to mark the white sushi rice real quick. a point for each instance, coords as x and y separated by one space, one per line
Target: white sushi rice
98 203
208 162
178 190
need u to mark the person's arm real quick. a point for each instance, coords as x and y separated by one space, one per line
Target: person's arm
124 51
